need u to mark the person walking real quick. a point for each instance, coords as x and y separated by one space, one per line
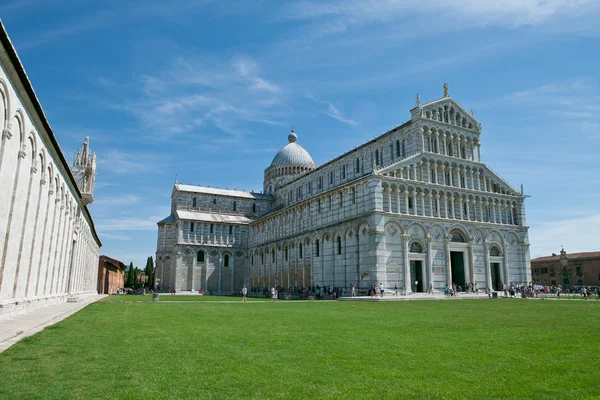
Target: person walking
430 288
244 293
352 291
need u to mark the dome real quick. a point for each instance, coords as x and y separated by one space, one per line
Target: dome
292 154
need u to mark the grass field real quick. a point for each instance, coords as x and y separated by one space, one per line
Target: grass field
123 348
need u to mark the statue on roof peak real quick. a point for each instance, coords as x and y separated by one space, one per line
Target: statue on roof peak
446 90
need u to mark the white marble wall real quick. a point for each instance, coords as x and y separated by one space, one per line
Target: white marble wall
47 248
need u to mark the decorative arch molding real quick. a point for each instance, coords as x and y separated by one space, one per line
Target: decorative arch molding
32 138
512 239
494 235
417 229
363 228
393 228
420 242
460 228
477 234
491 246
5 102
437 232
349 233
20 117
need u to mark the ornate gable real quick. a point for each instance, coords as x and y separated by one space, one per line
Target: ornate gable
446 110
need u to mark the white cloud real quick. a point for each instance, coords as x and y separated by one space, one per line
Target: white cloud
331 110
120 162
575 234
128 224
343 14
193 92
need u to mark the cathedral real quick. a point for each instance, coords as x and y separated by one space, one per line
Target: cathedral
415 207
49 248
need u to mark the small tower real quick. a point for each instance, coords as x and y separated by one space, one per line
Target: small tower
84 171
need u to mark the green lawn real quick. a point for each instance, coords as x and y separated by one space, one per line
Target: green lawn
207 349
176 298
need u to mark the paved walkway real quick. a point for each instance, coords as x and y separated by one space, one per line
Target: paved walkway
16 328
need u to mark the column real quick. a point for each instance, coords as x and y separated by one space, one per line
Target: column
389 190
494 211
445 146
445 205
478 186
406 200
451 181
505 263
512 214
448 263
478 152
414 169
480 210
469 209
435 174
407 287
437 206
461 207
471 261
431 213
452 207
422 195
414 192
488 269
220 272
429 264
398 200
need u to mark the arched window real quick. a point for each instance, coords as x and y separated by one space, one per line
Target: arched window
226 260
339 245
416 247
300 250
272 255
495 251
200 256
317 248
457 237
286 253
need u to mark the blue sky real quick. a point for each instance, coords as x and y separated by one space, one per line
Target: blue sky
208 91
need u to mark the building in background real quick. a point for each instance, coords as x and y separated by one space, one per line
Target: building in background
413 207
48 245
567 270
111 275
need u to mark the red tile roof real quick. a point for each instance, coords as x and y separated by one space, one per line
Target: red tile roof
112 261
571 256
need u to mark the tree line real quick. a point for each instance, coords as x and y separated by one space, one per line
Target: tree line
133 275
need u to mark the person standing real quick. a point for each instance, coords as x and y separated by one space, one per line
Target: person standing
273 295
244 293
381 288
352 291
396 290
430 287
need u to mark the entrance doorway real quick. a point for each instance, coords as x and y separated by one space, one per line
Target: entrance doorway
496 276
457 262
416 275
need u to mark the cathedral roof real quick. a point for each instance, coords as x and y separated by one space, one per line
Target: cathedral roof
293 155
222 192
212 217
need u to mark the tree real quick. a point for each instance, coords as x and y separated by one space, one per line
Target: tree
149 271
130 279
135 276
